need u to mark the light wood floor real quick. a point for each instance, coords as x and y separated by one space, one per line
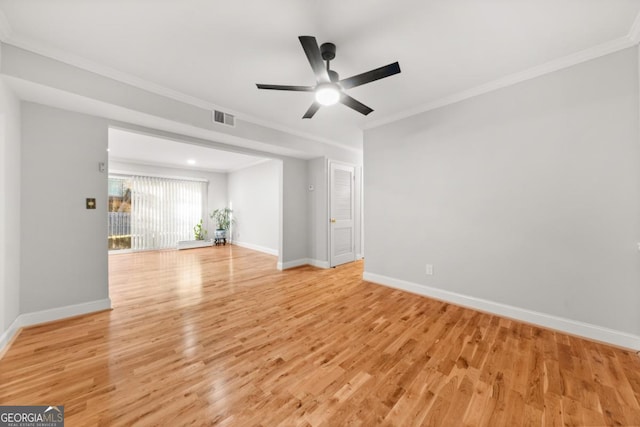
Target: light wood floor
218 336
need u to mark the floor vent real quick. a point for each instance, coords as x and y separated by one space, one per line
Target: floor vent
224 118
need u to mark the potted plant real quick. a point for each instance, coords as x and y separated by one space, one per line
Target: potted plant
198 232
223 220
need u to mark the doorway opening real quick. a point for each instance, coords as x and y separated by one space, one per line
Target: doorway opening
163 191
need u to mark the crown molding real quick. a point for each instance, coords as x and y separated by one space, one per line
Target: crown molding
8 37
540 70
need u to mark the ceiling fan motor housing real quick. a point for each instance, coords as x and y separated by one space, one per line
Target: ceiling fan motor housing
328 51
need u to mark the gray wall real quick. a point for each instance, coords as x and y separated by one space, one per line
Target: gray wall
294 210
254 194
216 189
528 196
358 212
318 200
10 219
64 252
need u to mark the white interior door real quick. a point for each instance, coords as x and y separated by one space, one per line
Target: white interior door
341 214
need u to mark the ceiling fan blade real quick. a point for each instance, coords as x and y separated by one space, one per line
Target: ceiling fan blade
285 87
370 76
311 49
356 105
312 110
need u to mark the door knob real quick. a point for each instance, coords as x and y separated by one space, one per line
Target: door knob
333 220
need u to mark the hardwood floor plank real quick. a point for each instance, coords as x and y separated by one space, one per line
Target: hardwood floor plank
218 336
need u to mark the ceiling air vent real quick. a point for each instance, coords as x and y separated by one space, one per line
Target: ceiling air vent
224 118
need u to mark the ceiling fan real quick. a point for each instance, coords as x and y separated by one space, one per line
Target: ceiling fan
329 89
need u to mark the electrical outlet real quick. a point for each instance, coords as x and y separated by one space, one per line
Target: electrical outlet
429 270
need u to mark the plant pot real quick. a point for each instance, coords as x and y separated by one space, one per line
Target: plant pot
220 237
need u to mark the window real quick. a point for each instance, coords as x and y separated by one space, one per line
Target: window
119 213
153 213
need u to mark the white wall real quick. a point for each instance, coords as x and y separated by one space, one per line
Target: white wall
64 251
216 188
254 194
10 219
528 197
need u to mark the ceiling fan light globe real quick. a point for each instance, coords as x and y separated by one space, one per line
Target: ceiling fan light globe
327 95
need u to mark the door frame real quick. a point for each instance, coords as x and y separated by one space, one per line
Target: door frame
358 209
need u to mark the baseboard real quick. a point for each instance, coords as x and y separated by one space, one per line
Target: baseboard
573 327
318 263
9 335
258 248
303 261
33 318
293 264
37 317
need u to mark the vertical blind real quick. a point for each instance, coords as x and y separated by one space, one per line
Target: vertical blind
164 211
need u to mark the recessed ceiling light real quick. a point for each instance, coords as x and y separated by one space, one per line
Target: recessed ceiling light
191 162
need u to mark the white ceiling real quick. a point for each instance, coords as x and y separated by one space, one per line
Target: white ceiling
217 51
151 150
